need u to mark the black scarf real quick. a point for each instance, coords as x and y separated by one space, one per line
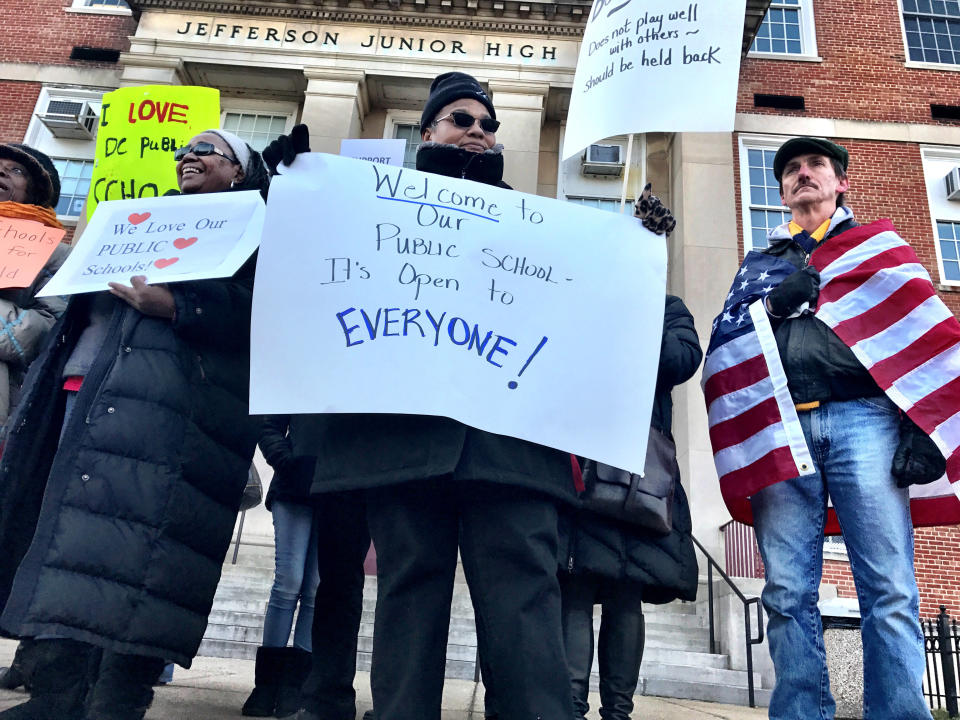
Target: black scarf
452 161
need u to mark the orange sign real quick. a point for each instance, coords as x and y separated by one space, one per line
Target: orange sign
25 247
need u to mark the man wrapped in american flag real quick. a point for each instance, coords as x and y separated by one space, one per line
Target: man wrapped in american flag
832 384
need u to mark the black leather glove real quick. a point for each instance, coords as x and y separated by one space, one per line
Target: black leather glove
801 287
918 460
653 214
286 147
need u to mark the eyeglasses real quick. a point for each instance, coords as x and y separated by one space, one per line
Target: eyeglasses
465 120
200 149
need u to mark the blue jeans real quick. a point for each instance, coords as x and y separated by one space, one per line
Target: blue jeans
852 444
295 578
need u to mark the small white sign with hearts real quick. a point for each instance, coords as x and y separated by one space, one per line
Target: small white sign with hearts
167 239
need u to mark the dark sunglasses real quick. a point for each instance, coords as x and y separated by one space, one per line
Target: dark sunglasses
200 149
465 120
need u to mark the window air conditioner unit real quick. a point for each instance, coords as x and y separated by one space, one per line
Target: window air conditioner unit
74 119
603 160
952 181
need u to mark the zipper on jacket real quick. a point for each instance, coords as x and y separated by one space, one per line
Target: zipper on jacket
203 375
114 335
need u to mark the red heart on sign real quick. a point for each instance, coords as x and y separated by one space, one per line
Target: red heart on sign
165 262
137 218
181 243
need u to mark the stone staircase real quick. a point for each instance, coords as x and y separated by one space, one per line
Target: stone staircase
676 663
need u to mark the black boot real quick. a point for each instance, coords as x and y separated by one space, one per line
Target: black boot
266 683
16 675
296 667
124 687
59 682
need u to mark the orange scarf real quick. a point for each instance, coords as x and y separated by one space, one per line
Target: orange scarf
22 211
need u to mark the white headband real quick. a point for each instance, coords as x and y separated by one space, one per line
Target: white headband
241 151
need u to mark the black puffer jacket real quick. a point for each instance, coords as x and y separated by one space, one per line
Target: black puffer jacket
292 474
139 501
357 451
818 365
663 567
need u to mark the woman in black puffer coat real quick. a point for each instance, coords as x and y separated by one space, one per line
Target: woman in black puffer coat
134 434
619 565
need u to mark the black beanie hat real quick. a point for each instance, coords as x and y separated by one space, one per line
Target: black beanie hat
44 176
452 86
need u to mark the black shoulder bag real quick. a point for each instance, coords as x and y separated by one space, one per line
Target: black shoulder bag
646 499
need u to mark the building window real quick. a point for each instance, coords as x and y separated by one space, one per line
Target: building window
410 133
74 184
761 196
933 30
834 547
948 235
787 29
607 204
116 7
258 129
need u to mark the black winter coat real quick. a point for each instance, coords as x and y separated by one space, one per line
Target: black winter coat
817 363
292 474
663 567
356 451
139 501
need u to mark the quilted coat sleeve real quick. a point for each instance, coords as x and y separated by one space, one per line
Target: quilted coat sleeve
275 442
680 353
26 318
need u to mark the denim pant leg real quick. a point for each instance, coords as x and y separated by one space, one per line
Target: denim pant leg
302 634
789 518
292 525
875 516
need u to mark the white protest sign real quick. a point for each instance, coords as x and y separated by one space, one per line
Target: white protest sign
383 151
655 65
387 290
168 239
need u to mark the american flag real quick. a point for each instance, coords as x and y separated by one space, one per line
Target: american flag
880 301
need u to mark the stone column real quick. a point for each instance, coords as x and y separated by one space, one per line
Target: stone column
703 260
520 107
334 106
148 69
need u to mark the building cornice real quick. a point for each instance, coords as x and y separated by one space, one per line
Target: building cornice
532 17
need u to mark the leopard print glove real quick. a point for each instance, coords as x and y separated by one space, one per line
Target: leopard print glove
655 217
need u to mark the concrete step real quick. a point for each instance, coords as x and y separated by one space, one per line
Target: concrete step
694 674
710 692
672 656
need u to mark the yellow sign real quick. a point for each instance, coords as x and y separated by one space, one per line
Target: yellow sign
140 127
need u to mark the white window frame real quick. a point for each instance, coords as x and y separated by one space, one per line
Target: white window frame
936 194
80 6
808 37
263 107
920 64
746 143
398 117
43 140
835 551
627 206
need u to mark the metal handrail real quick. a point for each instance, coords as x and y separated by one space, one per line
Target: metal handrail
750 641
